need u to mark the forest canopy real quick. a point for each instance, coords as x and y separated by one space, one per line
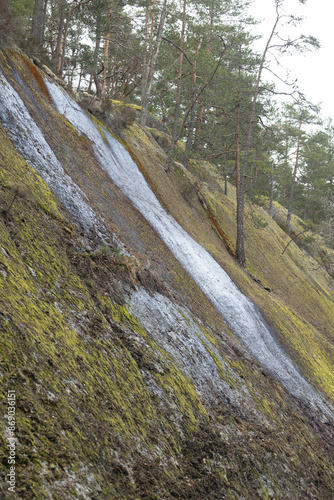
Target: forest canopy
193 65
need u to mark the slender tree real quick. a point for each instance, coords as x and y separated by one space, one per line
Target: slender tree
294 175
179 88
190 138
240 242
38 20
298 43
152 63
56 56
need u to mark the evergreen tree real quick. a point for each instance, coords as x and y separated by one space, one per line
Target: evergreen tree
300 43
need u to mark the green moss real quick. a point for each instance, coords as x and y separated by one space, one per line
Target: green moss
288 275
99 125
41 298
122 103
95 401
175 384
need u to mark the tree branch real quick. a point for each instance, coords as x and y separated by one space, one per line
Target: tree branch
292 239
178 48
199 93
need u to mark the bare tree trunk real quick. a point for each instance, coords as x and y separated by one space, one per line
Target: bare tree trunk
179 89
57 53
294 176
306 201
90 83
237 140
64 39
38 20
51 38
95 75
253 173
190 137
148 60
240 243
145 63
271 208
148 51
106 54
147 93
191 108
80 77
105 64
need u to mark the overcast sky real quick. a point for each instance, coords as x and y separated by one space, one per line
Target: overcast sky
314 70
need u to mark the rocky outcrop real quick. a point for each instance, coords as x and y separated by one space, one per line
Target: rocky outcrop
129 382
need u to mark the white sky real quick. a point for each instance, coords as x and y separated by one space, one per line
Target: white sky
314 70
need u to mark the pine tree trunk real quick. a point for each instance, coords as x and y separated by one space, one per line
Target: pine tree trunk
57 53
106 53
147 93
38 20
95 76
240 243
80 78
288 219
306 201
105 64
190 138
237 141
271 191
145 63
179 90
64 38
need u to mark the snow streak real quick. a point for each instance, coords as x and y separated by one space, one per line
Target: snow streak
237 311
30 142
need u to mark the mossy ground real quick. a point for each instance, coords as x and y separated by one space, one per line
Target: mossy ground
104 412
78 387
300 304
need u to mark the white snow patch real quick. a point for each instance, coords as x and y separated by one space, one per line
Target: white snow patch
175 330
31 144
236 309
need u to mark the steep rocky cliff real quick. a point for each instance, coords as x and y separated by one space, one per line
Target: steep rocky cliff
145 362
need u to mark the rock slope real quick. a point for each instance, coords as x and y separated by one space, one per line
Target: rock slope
145 362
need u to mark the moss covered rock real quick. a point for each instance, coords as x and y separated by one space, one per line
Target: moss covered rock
111 397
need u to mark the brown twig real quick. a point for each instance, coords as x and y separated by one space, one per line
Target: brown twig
292 239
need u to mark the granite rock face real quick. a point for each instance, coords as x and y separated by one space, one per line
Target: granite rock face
144 361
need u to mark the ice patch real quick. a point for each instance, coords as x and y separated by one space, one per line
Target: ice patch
175 330
238 312
30 142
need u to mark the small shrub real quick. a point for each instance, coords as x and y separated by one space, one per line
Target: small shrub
119 255
108 105
103 249
128 115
